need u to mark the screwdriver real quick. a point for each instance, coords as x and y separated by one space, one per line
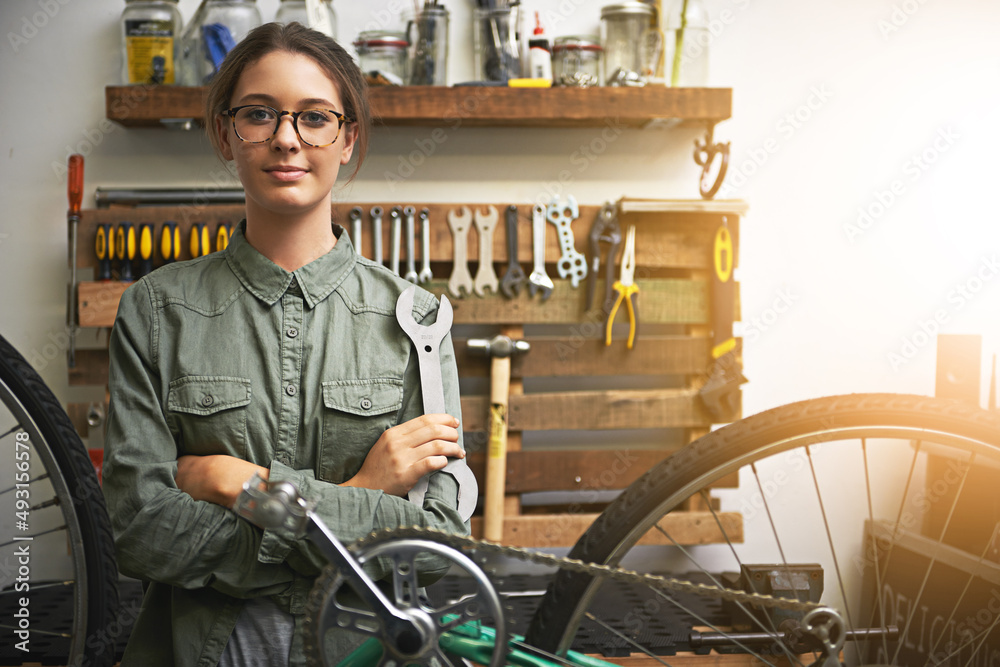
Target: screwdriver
104 249
199 240
170 242
125 250
74 191
145 249
222 234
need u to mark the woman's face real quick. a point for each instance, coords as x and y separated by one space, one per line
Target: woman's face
284 175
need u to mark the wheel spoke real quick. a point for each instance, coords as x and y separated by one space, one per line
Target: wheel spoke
877 602
44 475
774 530
36 535
627 640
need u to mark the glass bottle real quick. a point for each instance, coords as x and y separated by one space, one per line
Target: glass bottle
151 31
298 10
685 29
625 28
213 31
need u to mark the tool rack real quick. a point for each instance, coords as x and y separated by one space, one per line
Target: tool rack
577 407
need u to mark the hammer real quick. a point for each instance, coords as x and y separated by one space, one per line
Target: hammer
499 349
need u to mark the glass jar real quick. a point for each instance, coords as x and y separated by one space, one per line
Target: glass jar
497 43
685 28
427 34
151 31
215 29
576 61
625 29
382 57
325 19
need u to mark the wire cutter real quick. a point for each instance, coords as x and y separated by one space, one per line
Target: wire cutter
605 230
627 291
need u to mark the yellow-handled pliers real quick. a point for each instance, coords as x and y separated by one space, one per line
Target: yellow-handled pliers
627 290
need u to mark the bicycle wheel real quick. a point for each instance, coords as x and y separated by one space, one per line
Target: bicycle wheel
813 477
59 580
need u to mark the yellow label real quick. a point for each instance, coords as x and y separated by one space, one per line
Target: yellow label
498 431
149 47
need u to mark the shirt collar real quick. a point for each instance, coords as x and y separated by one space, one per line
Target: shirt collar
268 282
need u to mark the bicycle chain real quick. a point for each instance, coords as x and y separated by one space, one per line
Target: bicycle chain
462 543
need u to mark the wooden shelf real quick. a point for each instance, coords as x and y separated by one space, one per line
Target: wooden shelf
469 106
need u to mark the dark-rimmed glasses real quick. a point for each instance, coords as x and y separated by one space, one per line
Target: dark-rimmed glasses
257 123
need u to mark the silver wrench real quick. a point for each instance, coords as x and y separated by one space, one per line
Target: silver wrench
394 238
460 279
425 274
538 279
572 264
355 217
427 341
486 277
377 234
411 262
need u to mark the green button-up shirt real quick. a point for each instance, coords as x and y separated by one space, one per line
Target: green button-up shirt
300 372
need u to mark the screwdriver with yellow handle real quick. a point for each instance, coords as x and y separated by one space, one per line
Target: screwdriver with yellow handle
104 248
125 250
170 242
222 235
199 240
145 249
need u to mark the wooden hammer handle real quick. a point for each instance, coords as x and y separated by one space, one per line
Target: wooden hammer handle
496 455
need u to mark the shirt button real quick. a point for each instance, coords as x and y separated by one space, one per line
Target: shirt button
292 332
283 458
366 404
290 390
207 401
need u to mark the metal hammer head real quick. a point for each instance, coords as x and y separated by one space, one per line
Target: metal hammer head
498 346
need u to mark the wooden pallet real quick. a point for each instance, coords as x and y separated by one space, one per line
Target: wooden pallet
570 388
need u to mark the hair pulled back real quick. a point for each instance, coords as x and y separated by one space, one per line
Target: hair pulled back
293 38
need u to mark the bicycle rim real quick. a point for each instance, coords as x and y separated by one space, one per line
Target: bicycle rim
57 549
811 474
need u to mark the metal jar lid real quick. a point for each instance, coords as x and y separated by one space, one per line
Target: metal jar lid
627 9
577 43
381 38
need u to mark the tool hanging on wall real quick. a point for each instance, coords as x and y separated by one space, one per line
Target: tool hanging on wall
395 237
198 241
104 248
74 193
538 279
606 230
627 291
460 283
571 264
721 392
145 249
355 217
425 274
515 277
223 233
411 242
376 214
499 350
125 250
486 277
170 242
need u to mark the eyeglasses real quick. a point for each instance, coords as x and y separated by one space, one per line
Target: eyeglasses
257 123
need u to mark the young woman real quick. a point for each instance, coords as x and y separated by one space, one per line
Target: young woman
280 356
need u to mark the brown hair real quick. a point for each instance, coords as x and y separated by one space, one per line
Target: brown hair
294 38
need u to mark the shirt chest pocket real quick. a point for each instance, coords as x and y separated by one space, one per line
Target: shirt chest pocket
355 414
208 414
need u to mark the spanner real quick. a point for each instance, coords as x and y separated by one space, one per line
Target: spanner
486 277
411 262
427 341
355 217
538 279
425 274
394 238
460 279
511 283
377 234
571 264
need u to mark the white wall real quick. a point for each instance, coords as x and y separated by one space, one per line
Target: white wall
823 309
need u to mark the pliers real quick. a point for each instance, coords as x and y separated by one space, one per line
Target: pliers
627 290
605 230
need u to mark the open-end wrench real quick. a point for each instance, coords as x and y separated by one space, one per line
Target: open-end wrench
355 217
425 274
511 283
572 264
377 234
394 238
538 279
460 279
427 341
411 244
486 277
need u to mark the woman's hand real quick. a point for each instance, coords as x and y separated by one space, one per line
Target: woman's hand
407 452
218 479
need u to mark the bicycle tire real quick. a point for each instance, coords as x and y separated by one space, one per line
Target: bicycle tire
696 466
78 495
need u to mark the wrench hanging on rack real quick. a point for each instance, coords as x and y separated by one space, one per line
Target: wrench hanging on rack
538 279
395 238
460 279
411 261
377 234
425 274
355 216
572 264
486 277
511 283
